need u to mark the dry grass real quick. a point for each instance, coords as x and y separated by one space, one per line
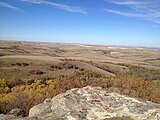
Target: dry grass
49 69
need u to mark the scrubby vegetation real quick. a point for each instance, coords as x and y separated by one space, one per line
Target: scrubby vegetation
146 74
25 94
31 72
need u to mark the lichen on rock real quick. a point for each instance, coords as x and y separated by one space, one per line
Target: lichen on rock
94 103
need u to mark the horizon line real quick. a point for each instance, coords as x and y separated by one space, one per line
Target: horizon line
91 44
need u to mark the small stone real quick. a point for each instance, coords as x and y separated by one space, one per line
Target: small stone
15 112
47 100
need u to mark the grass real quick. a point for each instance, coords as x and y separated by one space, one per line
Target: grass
48 69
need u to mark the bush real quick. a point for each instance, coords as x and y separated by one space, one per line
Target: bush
37 72
24 95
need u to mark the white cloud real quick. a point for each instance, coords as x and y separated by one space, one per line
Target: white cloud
129 14
57 5
146 10
3 4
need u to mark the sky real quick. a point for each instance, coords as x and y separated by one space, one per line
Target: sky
106 22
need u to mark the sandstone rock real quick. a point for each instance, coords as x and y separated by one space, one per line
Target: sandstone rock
40 110
15 112
94 103
47 100
12 117
7 117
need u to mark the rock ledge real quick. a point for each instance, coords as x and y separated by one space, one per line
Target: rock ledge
94 103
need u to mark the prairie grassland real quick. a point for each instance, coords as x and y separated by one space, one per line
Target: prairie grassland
34 71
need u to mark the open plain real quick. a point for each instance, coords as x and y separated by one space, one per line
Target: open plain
30 72
35 59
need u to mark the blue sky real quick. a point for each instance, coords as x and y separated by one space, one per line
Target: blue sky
115 22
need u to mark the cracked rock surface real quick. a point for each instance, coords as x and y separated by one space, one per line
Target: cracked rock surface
94 103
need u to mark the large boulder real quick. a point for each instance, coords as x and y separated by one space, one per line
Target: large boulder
94 103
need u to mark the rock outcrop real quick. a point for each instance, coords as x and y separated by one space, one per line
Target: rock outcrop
91 103
94 103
